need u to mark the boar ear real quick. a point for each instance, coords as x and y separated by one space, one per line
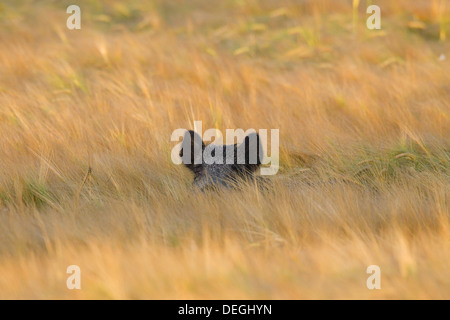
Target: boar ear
250 152
191 152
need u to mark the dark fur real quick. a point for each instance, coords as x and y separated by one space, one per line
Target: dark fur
247 159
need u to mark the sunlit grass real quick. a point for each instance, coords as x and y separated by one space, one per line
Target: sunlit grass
86 176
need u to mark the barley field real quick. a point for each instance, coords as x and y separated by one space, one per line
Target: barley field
86 176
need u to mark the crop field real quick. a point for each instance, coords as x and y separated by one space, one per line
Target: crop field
87 179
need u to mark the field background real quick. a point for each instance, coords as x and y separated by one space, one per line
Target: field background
86 177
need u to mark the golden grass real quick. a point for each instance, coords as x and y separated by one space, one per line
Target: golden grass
368 109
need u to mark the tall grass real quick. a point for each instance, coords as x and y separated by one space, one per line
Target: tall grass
85 170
